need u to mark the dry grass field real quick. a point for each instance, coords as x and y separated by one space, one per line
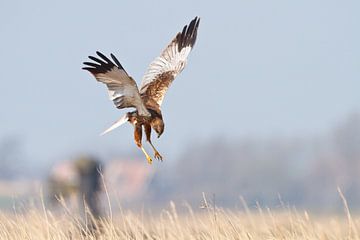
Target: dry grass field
208 223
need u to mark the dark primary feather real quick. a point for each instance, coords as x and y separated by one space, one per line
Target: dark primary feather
117 61
104 64
188 36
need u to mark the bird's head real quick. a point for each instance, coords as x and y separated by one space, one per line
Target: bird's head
158 125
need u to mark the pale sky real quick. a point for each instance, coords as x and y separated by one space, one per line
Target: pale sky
259 68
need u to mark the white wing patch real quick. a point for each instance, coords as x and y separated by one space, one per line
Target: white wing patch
170 61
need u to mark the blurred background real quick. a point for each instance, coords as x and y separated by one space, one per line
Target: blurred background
267 106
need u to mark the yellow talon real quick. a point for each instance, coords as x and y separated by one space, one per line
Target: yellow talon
148 158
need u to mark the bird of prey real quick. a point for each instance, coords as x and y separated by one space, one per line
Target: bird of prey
147 99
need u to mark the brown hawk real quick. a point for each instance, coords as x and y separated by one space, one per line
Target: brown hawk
147 99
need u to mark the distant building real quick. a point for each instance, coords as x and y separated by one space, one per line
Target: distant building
128 179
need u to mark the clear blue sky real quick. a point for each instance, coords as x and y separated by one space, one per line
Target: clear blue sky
259 68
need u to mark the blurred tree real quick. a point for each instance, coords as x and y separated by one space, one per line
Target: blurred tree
347 145
89 172
305 172
11 158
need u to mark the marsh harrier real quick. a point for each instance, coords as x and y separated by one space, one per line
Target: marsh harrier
147 99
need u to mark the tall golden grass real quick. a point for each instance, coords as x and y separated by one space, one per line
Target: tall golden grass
210 223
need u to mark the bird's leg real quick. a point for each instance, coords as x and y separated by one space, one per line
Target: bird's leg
147 129
148 158
137 137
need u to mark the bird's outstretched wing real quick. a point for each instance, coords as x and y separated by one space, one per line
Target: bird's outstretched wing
163 70
122 89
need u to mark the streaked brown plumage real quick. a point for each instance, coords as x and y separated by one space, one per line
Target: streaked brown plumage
147 99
